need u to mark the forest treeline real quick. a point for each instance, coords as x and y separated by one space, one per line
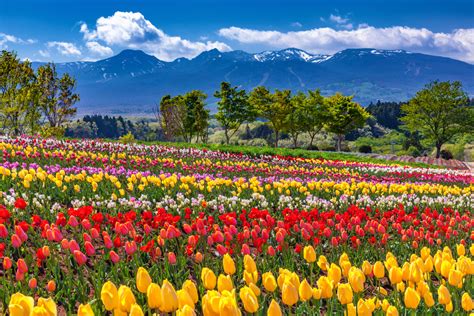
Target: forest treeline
43 102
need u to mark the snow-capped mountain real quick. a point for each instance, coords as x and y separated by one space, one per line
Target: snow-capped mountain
133 79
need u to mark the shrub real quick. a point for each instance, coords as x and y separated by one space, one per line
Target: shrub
365 149
127 138
313 147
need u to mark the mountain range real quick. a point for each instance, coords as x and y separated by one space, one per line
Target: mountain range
133 82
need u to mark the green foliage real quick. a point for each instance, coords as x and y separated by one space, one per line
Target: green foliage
344 115
18 95
272 107
439 112
56 132
233 109
127 138
387 114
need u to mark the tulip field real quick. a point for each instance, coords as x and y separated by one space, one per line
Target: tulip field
91 227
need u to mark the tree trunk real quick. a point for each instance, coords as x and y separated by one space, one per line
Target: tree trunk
339 142
312 136
227 138
438 150
295 141
276 138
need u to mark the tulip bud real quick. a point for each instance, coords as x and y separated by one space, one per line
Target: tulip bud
274 309
229 264
411 298
344 293
249 299
208 278
143 280
153 295
289 293
109 296
169 298
309 254
85 310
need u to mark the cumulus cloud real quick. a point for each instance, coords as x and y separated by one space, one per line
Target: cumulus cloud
457 44
97 49
65 48
7 38
133 30
296 24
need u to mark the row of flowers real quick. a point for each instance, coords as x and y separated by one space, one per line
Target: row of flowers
426 283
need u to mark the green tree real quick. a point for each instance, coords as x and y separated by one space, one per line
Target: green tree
294 120
272 107
343 116
18 95
197 116
232 110
172 115
439 112
56 95
314 114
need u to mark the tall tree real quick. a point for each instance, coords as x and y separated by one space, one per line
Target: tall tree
439 112
314 114
232 110
57 97
172 116
272 107
294 120
344 115
197 116
18 95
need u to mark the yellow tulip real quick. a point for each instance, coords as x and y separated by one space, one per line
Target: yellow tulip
422 288
344 293
305 291
184 299
39 311
289 293
366 268
323 263
395 275
208 278
109 296
143 280
444 297
169 298
449 307
365 307
466 302
379 270
49 305
317 293
211 303
415 273
334 274
392 311
274 309
190 287
153 295
21 305
227 304
85 310
255 289
229 264
250 277
126 298
269 281
428 298
249 264
326 286
309 254
136 310
224 283
356 279
461 250
445 268
185 311
351 310
411 298
249 299
455 278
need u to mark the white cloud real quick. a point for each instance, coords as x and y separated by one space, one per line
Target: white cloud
44 53
98 49
341 21
457 44
132 30
65 48
7 38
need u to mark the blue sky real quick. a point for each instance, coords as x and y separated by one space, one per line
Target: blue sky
67 30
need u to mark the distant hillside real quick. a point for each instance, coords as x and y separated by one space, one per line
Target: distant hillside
132 81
